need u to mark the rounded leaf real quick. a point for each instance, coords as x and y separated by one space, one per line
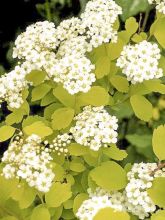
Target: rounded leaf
115 178
142 107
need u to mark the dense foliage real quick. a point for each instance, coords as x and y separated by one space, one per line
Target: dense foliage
83 125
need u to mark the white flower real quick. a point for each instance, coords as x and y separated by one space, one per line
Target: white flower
99 17
140 179
29 160
91 128
139 62
160 5
61 142
100 199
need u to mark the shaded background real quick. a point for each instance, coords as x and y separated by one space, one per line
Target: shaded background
15 15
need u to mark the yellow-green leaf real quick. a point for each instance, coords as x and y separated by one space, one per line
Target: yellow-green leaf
120 83
102 67
158 141
159 32
78 201
64 97
115 178
109 213
62 118
40 91
77 149
38 128
114 49
36 77
115 153
77 167
159 215
157 191
97 96
40 213
58 194
6 132
142 107
131 25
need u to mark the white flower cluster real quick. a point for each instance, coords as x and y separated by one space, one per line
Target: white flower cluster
13 83
95 128
61 51
38 38
98 200
134 199
160 5
140 179
60 143
29 160
139 62
99 18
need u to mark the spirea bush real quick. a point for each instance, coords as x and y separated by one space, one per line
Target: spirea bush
93 148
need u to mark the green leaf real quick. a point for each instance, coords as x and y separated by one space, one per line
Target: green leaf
162 63
77 167
142 107
40 212
115 178
9 218
68 204
115 153
160 32
58 194
155 86
15 117
38 128
131 25
31 119
64 97
109 213
77 149
157 192
49 110
79 199
62 118
97 96
6 188
120 83
59 171
27 197
159 215
102 67
6 132
40 91
48 99
132 7
139 89
137 38
36 77
114 49
57 212
158 141
140 140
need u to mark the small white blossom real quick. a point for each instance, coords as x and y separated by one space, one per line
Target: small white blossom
140 179
100 199
29 160
95 128
98 18
60 143
139 62
160 5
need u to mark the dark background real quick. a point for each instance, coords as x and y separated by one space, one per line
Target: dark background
15 15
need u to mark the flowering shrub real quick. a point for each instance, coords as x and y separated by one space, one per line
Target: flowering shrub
94 83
